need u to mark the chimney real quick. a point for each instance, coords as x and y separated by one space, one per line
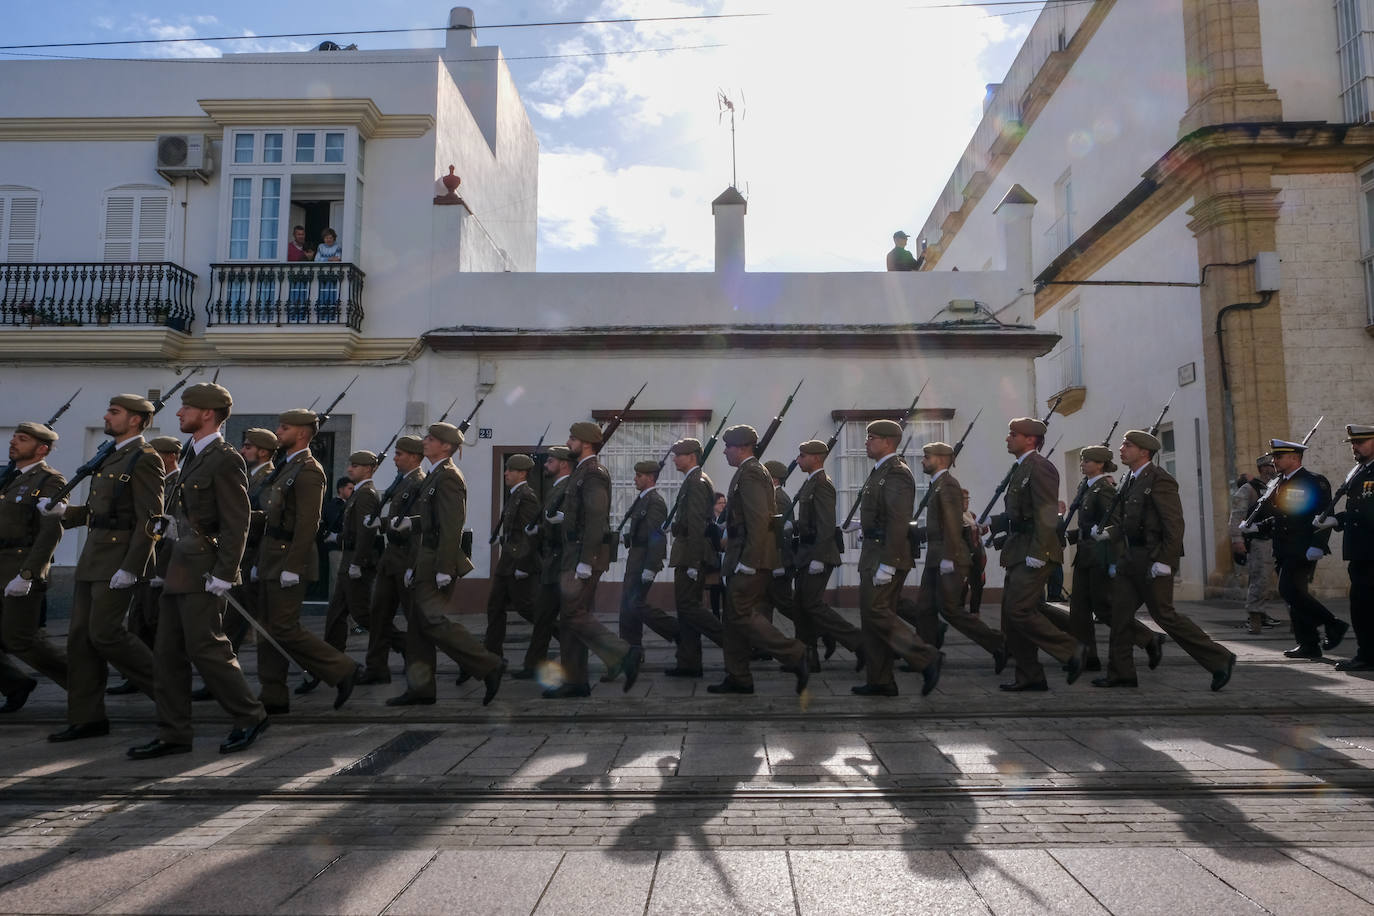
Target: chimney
1014 213
462 29
729 209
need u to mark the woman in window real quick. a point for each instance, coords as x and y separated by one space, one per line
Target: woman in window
329 250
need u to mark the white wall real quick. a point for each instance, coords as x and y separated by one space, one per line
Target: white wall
1299 52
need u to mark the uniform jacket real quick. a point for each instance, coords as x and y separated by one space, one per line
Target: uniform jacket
647 542
210 506
815 522
359 544
1147 526
1243 501
691 547
291 517
442 510
518 549
749 509
399 553
1358 517
587 516
126 492
256 478
1097 502
551 536
784 510
28 536
162 549
1032 513
887 503
945 523
1287 515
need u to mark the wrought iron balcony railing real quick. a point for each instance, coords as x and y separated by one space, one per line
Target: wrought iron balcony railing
284 293
70 294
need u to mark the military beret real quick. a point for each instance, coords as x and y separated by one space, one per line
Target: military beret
1027 426
687 447
586 431
207 396
414 445
741 435
519 462
37 431
561 452
262 438
937 448
167 445
1264 461
1357 432
1142 439
1283 446
446 433
647 466
298 417
133 403
776 468
364 458
887 429
813 447
1101 454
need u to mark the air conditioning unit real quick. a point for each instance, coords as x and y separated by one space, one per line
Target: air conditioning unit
181 155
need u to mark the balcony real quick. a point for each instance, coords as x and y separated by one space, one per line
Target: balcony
285 310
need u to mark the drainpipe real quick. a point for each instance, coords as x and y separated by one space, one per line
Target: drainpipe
1228 414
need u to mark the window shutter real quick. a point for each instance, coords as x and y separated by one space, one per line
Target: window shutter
19 219
119 228
153 226
136 227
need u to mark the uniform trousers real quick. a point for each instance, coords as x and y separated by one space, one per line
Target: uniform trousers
1259 567
19 635
636 612
694 621
816 618
1305 611
579 630
190 632
383 636
430 629
748 631
1132 586
938 596
507 594
779 598
282 612
1361 606
1090 603
1026 628
351 598
884 633
248 594
96 635
143 613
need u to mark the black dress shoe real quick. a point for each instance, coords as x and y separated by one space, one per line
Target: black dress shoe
829 642
15 701
493 683
813 658
568 691
1155 651
524 674
201 694
931 675
1349 664
158 748
1335 632
344 689
1115 682
277 709
371 677
630 665
1220 678
1037 687
124 688
729 686
1075 667
874 690
409 699
683 672
1312 652
999 661
84 730
307 685
240 738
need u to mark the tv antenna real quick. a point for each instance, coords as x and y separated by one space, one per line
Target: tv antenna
724 104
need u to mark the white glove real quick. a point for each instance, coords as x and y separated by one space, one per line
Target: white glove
1249 529
122 579
884 574
371 521
48 507
521 574
253 574
692 573
169 528
1034 563
531 530
355 571
1158 570
157 582
583 571
647 576
779 573
410 578
401 523
332 537
1321 524
1111 571
816 568
18 587
1098 534
745 570
289 579
218 587
556 518
443 580
851 527
946 567
1314 554
787 526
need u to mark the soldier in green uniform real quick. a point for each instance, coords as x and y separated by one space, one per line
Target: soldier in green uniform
27 541
1356 520
780 580
125 493
816 554
291 499
751 552
207 520
549 547
389 590
512 583
257 449
648 548
359 546
691 556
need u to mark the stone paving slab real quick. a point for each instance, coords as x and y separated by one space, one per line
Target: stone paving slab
495 883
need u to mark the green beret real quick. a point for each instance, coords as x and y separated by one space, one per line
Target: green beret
167 445
37 431
813 447
741 435
687 447
519 463
1027 426
887 429
364 458
1358 432
446 433
414 445
647 466
586 431
560 452
207 395
132 403
1099 453
937 448
1142 439
776 468
298 417
262 438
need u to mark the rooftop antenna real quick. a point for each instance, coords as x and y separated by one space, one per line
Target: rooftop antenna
724 104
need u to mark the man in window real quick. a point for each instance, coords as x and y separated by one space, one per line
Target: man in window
295 249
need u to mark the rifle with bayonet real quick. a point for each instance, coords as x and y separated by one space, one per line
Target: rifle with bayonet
915 531
1083 484
11 470
705 453
788 517
606 433
1336 497
1002 486
279 459
381 456
1055 446
1268 497
906 418
772 430
618 536
496 527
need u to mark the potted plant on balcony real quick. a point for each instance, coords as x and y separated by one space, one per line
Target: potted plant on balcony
104 311
158 313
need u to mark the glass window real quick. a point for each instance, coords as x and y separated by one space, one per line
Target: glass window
240 209
268 221
305 147
362 155
333 147
271 147
243 147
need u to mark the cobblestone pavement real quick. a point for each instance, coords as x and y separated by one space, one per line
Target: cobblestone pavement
1255 799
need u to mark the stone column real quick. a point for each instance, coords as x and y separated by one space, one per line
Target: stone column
1225 68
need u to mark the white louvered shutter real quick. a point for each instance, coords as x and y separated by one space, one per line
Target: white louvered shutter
19 229
137 227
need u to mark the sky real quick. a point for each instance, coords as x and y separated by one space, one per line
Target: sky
849 119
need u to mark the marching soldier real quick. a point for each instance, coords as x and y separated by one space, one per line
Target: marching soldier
1031 522
886 504
1146 532
208 516
125 492
291 499
558 468
691 556
780 583
359 545
815 555
751 552
1286 514
1255 553
439 514
978 573
257 449
390 590
27 541
648 547
585 521
512 583
1357 544
949 561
